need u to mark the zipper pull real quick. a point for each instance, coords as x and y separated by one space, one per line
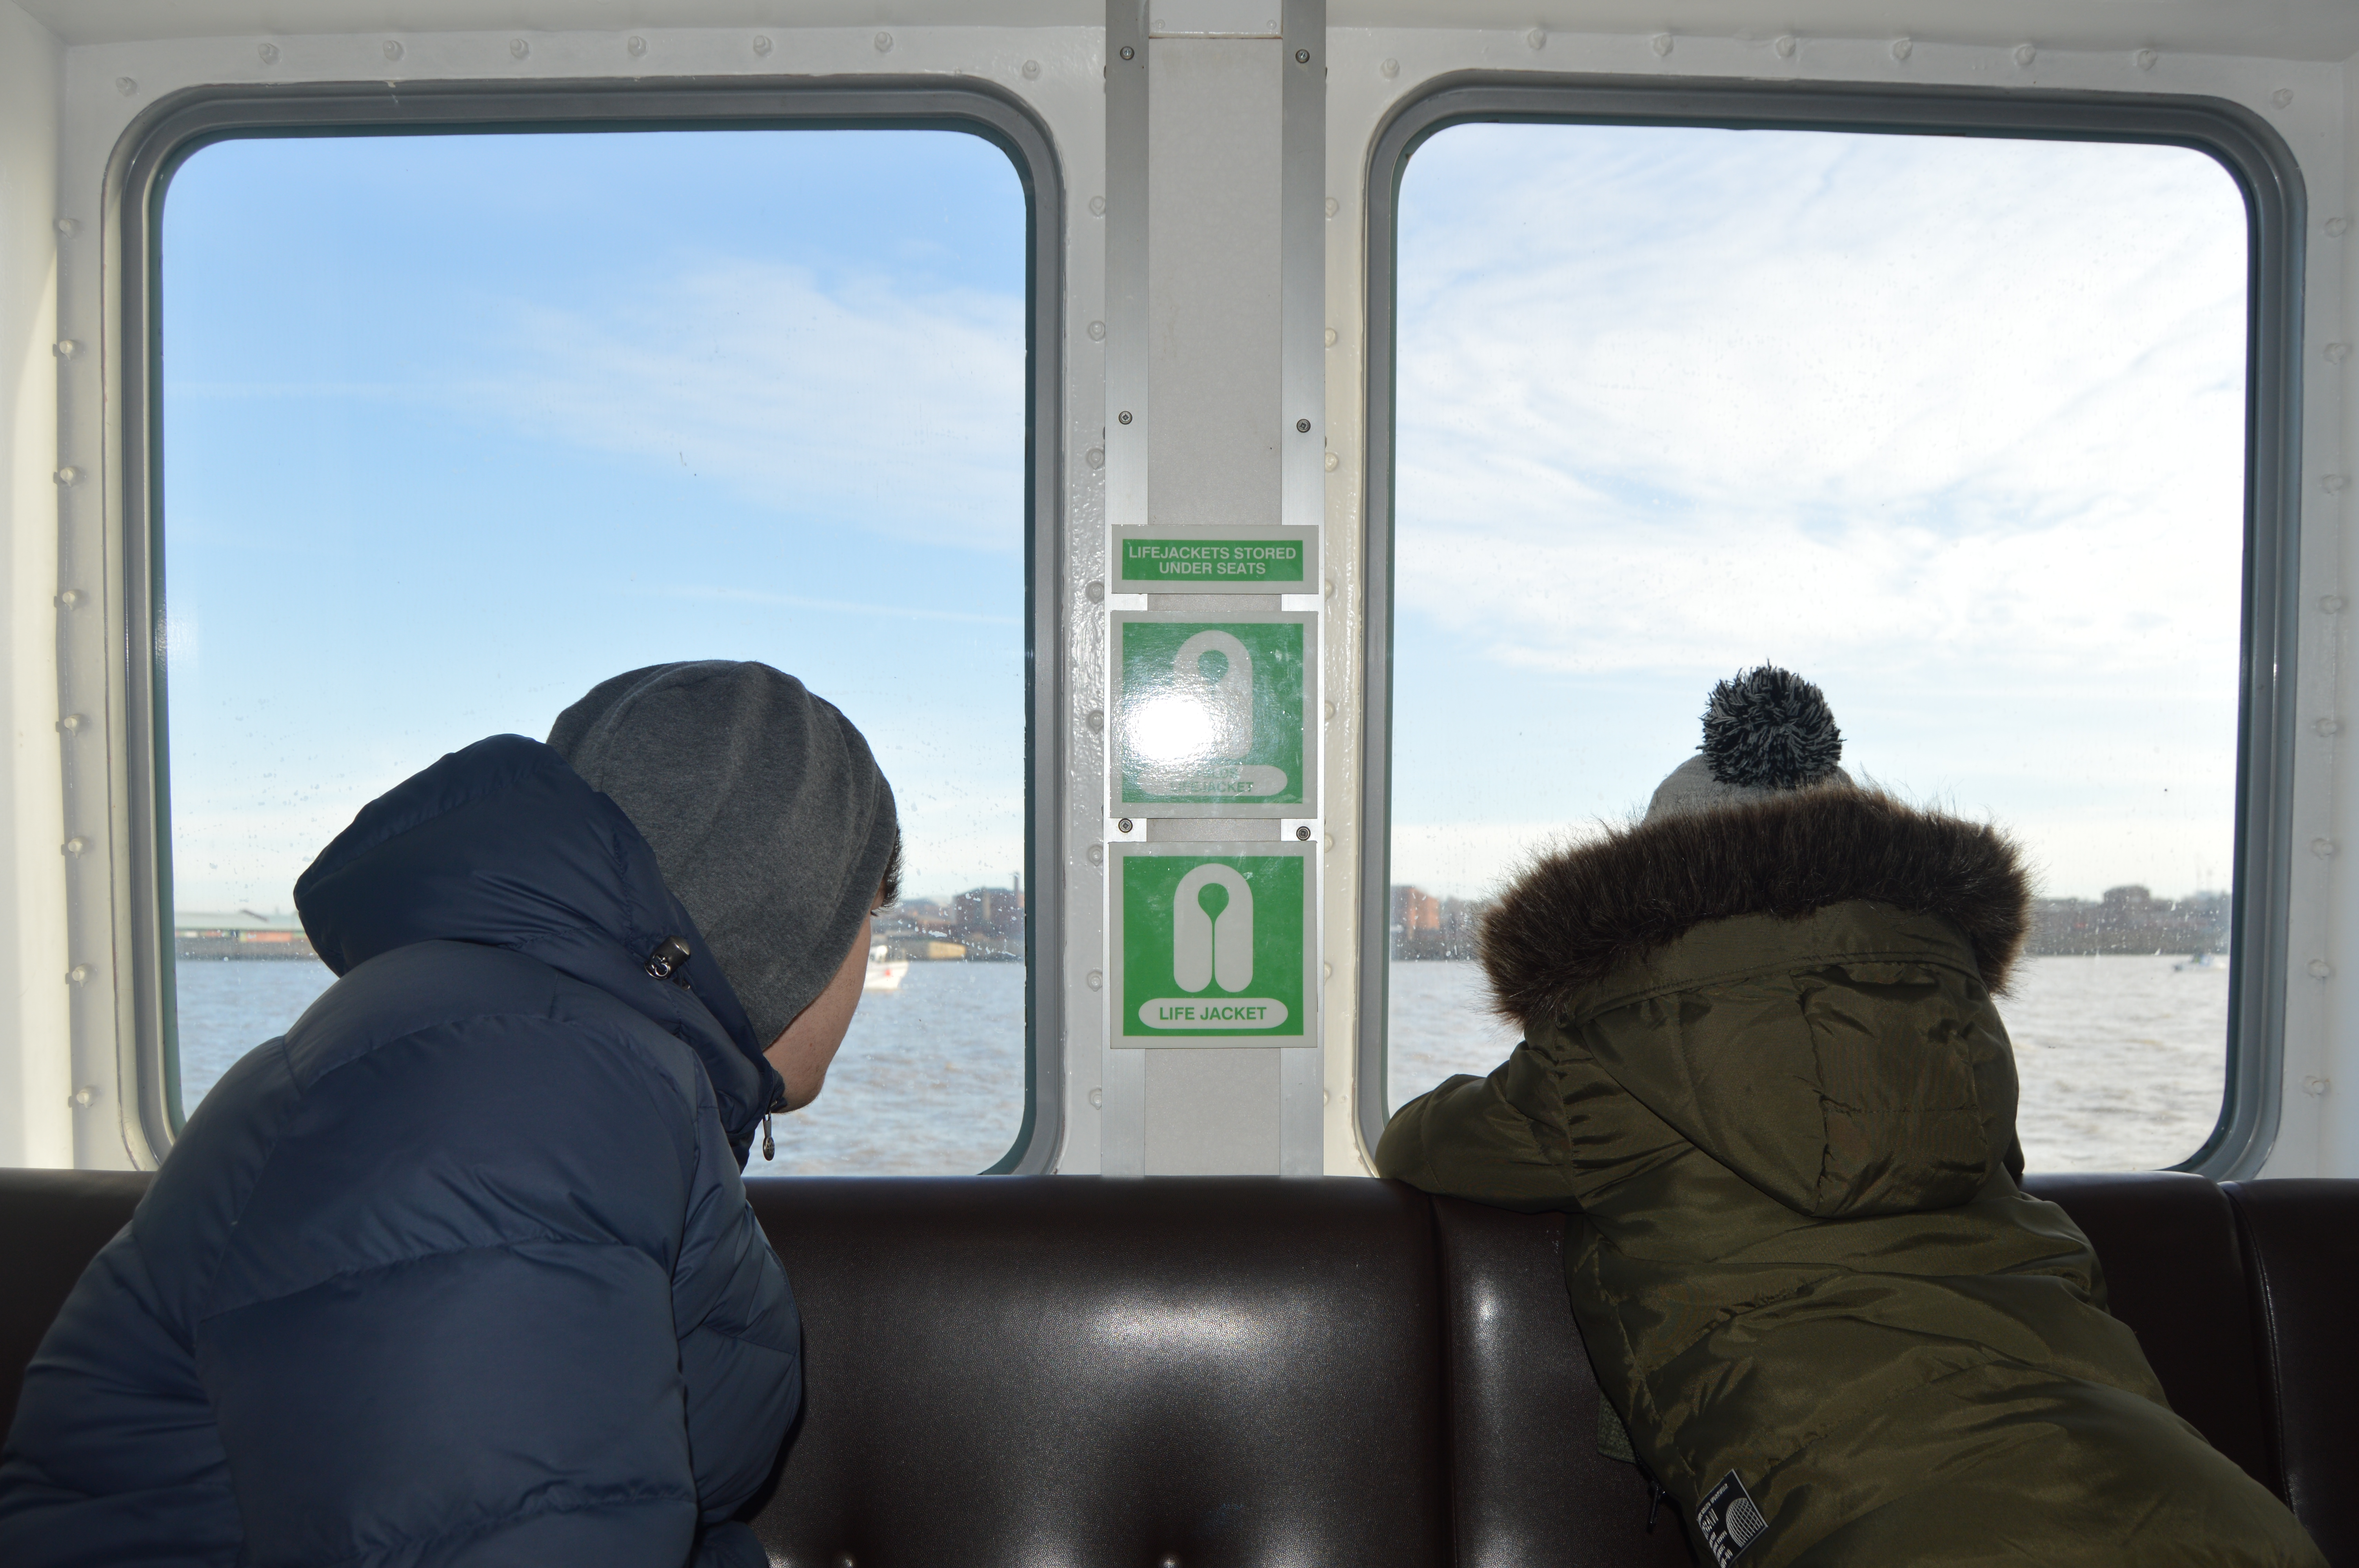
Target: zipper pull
665 962
770 1144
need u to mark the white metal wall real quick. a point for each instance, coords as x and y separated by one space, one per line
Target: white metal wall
63 109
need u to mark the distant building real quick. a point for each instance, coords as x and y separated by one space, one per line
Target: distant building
238 933
1427 926
981 925
2130 920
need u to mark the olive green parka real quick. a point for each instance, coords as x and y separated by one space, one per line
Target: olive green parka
1763 1072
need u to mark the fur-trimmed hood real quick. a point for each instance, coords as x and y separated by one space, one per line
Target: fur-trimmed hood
1577 915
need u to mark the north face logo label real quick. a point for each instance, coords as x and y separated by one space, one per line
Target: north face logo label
1729 1520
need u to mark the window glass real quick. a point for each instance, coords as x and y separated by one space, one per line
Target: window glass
455 426
1952 427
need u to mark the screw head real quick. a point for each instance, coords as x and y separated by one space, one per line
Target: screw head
1032 71
1123 825
2145 59
1095 457
518 49
884 43
1097 331
1094 718
1094 593
77 974
1303 427
268 53
1128 52
1303 833
1903 48
391 48
1302 57
635 46
1388 69
761 44
1123 417
1096 982
1097 206
1334 461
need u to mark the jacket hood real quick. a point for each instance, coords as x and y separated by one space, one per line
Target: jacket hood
503 844
1577 916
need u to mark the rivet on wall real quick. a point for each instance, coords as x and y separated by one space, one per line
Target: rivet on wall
518 49
883 42
2145 59
392 47
2320 969
268 53
1032 71
762 45
1903 48
65 348
2024 54
1388 67
126 86
634 46
1097 206
1661 44
1784 46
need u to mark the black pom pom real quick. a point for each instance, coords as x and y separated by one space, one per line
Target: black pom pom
1769 729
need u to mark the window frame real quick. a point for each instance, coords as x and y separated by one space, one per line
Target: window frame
185 123
2275 206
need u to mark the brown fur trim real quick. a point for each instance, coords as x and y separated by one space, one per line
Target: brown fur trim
1578 914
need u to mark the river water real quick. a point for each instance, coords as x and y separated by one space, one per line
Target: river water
2121 1058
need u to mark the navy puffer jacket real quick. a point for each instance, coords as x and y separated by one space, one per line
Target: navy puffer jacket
458 1270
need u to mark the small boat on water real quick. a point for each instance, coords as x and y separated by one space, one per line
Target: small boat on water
884 973
2200 961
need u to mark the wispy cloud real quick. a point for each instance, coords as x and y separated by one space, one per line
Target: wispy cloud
1955 426
895 409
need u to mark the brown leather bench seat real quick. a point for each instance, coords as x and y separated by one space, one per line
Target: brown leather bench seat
1196 1373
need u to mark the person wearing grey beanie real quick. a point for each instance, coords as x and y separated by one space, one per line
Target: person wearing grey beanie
502 1208
770 818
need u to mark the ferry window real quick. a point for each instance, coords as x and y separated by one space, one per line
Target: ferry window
1956 426
454 427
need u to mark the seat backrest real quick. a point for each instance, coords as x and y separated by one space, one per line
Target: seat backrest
1528 1483
1055 1369
2301 1247
52 1223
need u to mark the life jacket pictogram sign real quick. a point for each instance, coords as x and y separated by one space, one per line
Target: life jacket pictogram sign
1211 948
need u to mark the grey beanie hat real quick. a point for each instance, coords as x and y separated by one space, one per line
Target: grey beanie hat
766 813
1766 732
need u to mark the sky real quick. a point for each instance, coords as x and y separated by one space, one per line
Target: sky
1953 427
456 426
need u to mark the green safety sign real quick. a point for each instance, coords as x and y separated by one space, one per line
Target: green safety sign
1214 949
1180 563
1211 713
1247 558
